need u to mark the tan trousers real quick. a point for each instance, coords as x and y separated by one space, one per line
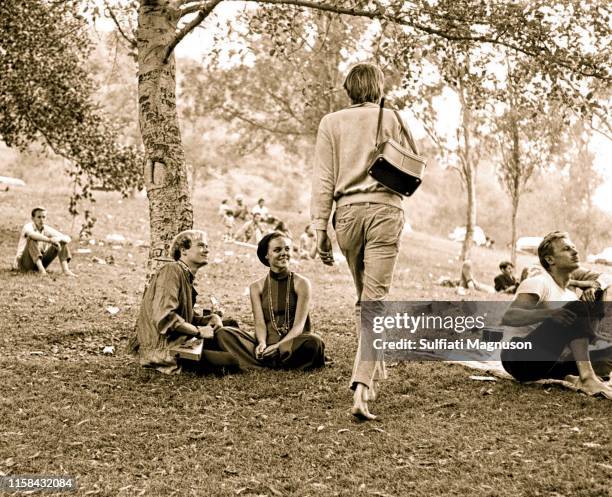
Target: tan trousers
368 235
32 252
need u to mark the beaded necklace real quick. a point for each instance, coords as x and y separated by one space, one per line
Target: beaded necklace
284 329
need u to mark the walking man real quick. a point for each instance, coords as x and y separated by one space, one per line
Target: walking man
369 218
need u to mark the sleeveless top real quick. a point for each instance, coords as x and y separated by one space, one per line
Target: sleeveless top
278 291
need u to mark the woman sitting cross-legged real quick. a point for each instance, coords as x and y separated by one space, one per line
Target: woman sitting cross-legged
280 302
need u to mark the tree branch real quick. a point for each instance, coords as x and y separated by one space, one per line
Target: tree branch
192 8
380 13
270 129
202 14
131 41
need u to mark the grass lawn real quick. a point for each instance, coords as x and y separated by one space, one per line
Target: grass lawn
67 409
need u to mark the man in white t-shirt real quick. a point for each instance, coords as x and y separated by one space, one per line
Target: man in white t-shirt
261 209
40 244
555 319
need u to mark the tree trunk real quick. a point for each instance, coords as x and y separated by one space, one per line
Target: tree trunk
469 173
517 173
170 207
515 205
470 221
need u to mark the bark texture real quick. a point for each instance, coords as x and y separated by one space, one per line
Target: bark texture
170 207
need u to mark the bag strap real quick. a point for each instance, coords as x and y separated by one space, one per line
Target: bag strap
378 126
407 133
405 130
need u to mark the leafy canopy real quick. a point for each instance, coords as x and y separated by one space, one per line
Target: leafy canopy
46 94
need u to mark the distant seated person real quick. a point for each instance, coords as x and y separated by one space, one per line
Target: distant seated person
167 318
240 210
280 302
550 321
468 282
252 231
506 282
281 227
584 280
224 208
262 210
308 243
39 244
228 224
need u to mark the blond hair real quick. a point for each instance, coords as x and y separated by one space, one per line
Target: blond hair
545 248
364 83
183 241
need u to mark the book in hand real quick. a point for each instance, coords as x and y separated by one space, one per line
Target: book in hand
191 349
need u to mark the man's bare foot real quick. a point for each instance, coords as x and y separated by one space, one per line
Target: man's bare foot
594 386
573 379
70 274
360 404
371 394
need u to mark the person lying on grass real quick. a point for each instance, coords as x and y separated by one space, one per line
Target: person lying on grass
280 302
167 318
39 245
555 320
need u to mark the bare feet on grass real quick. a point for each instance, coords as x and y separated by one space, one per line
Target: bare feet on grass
592 386
360 404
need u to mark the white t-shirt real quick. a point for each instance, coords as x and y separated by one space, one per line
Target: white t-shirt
263 211
546 288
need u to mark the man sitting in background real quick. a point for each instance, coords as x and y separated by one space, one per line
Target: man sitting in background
555 320
262 210
308 243
252 231
506 282
240 210
40 244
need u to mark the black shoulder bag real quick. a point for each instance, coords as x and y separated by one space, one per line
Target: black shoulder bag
394 166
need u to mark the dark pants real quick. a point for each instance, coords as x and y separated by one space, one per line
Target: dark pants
305 351
548 342
32 253
214 360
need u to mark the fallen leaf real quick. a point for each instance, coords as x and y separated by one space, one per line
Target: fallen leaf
482 378
108 350
591 445
112 310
